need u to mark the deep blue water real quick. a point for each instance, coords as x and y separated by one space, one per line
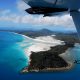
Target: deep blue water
13 59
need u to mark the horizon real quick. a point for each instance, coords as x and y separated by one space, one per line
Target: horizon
56 31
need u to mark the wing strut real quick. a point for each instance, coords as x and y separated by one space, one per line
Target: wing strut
76 18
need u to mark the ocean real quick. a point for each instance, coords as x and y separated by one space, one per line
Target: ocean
13 59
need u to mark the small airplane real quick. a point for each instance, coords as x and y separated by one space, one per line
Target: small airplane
56 7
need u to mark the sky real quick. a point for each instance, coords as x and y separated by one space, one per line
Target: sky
14 17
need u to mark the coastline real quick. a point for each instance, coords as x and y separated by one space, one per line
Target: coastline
69 67
60 65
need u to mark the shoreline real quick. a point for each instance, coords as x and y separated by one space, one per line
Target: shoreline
47 69
69 67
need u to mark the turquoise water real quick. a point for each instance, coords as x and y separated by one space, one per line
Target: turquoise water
13 59
11 52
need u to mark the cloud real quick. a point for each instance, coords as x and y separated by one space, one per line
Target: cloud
10 18
21 5
65 20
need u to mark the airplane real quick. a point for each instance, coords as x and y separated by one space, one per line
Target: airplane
56 7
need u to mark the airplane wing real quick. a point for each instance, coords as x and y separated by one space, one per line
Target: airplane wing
76 18
71 4
40 3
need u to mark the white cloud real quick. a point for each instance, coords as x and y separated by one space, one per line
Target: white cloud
64 20
10 18
21 5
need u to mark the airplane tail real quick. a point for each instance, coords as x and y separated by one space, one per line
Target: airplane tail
76 18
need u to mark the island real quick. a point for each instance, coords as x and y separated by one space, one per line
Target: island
50 60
